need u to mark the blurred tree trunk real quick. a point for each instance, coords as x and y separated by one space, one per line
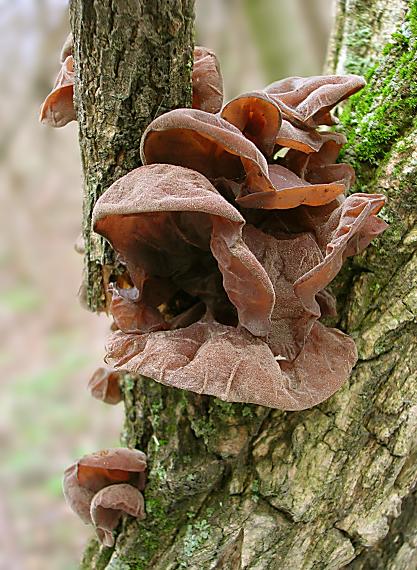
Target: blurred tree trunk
240 486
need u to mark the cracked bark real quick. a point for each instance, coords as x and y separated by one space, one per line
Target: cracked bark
239 486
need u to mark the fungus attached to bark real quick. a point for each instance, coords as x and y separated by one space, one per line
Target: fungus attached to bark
257 117
102 486
171 223
309 100
104 385
58 108
207 81
207 144
231 364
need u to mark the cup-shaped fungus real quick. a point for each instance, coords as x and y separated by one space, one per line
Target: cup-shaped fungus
104 385
171 223
309 100
207 144
257 117
207 81
84 482
109 504
58 108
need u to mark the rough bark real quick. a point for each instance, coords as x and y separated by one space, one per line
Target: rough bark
243 487
134 60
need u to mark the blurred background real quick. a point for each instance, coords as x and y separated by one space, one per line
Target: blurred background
49 344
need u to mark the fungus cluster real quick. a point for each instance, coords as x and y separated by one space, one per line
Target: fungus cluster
101 487
230 233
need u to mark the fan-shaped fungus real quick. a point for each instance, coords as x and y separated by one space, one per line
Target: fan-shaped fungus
58 108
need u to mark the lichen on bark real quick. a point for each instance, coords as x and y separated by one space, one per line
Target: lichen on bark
244 487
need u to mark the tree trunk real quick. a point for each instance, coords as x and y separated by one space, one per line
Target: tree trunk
235 486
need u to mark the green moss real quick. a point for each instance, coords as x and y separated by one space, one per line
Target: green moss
379 115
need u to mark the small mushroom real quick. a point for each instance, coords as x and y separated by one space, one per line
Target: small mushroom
58 108
123 472
207 144
257 117
109 504
171 223
292 191
309 100
104 385
207 81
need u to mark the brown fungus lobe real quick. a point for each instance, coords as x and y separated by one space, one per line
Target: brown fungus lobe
207 81
309 100
58 108
231 364
257 117
104 385
109 504
171 223
120 470
207 144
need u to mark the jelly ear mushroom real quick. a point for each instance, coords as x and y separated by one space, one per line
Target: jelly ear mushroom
309 100
232 365
207 144
291 191
108 506
257 116
117 465
104 385
207 81
58 108
171 222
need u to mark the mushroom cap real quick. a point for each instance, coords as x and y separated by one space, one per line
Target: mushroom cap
58 108
104 385
257 116
207 81
109 466
231 364
109 504
207 144
291 191
165 219
309 100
